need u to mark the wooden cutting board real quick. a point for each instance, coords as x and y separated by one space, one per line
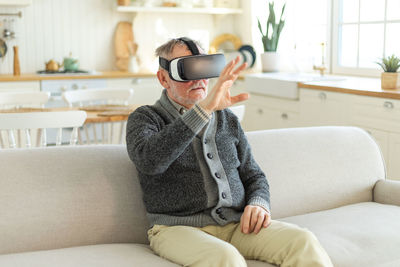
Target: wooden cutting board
123 43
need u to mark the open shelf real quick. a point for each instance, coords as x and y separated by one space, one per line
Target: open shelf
214 10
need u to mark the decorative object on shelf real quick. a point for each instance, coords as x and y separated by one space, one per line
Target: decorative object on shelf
227 3
169 3
245 52
134 60
123 2
17 69
70 63
124 45
3 48
52 65
270 58
220 39
390 78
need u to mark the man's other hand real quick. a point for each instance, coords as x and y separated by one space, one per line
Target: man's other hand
220 97
253 219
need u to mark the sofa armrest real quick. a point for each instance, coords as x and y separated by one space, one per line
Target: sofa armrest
387 192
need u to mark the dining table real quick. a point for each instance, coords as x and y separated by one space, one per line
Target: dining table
95 113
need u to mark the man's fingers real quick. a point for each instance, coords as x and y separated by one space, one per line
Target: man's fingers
239 98
246 221
240 68
261 220
253 221
267 220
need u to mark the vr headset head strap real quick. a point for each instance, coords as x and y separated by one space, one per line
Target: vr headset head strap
164 63
192 45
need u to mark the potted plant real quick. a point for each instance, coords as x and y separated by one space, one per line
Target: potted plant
270 58
390 78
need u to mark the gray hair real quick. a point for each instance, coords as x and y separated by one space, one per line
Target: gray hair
165 50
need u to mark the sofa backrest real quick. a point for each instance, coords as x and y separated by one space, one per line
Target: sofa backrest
317 168
70 196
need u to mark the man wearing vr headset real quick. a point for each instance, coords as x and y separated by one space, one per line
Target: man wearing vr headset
206 198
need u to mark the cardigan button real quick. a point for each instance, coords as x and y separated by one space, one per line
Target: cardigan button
209 155
218 211
217 175
223 195
205 141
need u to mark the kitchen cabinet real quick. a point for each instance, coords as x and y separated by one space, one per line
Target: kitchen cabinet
378 113
23 86
394 156
319 108
264 112
380 117
146 90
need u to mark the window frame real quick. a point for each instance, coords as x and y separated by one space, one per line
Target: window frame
336 40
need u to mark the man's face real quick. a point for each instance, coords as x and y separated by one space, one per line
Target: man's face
185 93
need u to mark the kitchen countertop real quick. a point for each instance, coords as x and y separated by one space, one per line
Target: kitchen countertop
353 85
96 75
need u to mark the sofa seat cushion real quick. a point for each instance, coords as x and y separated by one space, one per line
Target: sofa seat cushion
121 255
363 234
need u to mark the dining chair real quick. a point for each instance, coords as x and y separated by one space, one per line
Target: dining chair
238 111
23 99
13 126
90 98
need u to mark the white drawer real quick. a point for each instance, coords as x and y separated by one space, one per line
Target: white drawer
320 96
378 113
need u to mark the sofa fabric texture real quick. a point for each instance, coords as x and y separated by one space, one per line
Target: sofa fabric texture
75 206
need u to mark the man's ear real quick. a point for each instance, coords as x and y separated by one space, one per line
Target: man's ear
162 78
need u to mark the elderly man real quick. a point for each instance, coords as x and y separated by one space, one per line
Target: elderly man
206 198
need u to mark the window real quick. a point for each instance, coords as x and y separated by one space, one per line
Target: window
306 29
364 31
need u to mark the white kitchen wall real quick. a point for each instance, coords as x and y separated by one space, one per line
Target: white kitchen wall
52 29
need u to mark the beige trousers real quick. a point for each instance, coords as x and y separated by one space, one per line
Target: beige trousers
280 243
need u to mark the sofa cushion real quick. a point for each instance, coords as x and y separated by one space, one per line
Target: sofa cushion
59 197
363 234
337 166
121 255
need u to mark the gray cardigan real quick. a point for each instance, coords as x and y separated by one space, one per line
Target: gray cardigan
189 176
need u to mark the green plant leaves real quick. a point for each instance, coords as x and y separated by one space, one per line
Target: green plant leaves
390 64
270 41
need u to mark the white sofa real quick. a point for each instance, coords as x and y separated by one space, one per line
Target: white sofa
81 206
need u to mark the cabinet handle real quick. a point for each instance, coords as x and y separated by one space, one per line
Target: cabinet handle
285 116
260 111
322 96
388 104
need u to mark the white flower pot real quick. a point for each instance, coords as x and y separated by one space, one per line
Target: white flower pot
270 61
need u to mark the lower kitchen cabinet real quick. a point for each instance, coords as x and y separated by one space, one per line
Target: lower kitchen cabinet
394 156
264 112
26 86
319 108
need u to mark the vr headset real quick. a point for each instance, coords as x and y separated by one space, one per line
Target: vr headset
195 67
